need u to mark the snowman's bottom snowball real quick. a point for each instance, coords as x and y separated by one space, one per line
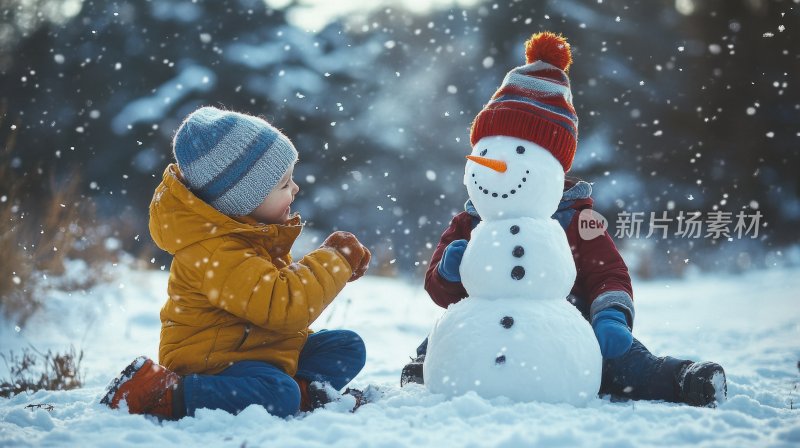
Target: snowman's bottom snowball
537 350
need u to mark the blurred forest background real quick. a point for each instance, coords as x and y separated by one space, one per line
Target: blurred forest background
684 105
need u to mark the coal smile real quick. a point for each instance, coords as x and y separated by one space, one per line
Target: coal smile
502 195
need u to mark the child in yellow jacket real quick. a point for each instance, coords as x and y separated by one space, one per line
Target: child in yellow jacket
234 329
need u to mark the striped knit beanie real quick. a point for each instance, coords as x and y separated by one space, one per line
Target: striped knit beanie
534 102
230 160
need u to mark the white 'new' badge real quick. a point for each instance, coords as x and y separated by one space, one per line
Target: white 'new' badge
591 224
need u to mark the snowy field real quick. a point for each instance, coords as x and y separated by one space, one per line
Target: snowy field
749 323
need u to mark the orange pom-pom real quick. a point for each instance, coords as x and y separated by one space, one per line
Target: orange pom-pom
549 47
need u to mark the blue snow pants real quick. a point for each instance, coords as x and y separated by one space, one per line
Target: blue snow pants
639 375
332 356
636 375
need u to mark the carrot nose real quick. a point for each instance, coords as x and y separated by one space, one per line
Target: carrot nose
497 165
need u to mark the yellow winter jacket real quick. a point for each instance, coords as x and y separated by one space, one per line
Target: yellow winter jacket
234 292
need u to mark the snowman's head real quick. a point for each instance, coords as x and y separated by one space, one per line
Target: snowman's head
508 177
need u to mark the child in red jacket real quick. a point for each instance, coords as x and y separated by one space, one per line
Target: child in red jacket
533 98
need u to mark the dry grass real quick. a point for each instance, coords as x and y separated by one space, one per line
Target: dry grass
43 222
34 371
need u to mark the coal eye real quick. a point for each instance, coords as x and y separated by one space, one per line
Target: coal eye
520 150
483 153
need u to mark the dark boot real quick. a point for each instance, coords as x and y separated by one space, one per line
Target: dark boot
702 384
412 372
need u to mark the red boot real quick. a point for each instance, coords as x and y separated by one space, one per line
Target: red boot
314 395
147 388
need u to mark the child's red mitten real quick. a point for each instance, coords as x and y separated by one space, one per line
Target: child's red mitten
352 250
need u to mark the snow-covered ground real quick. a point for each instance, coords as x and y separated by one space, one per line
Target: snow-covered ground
749 323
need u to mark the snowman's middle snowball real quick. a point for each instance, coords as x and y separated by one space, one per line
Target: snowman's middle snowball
524 258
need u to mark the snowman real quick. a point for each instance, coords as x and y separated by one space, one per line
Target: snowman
516 335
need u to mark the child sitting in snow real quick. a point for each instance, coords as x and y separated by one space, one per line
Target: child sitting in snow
534 103
235 325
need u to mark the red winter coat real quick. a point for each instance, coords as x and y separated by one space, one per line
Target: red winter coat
602 279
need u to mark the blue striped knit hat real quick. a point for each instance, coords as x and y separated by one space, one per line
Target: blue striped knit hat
231 160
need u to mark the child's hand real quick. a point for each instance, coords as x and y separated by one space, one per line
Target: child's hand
352 250
611 328
451 261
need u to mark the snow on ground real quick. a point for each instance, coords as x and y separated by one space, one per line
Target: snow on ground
750 323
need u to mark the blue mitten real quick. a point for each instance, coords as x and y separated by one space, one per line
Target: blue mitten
451 260
611 328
